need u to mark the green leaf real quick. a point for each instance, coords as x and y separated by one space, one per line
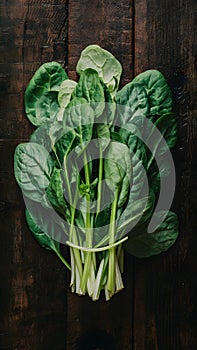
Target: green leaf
158 91
110 107
55 192
107 66
142 244
32 167
64 144
134 97
90 88
139 159
46 79
80 116
103 135
44 239
65 92
167 126
46 108
136 212
41 136
118 170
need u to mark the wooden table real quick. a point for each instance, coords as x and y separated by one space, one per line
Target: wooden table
157 310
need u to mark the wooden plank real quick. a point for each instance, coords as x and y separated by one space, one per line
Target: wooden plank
165 286
108 24
33 287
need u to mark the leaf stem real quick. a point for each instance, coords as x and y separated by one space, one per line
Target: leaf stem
62 259
100 177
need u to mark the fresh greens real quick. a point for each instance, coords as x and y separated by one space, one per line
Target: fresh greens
92 171
102 61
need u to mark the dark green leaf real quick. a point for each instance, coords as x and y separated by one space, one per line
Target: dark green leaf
137 211
90 88
47 107
55 193
158 91
134 97
143 244
118 170
33 167
44 239
80 116
47 78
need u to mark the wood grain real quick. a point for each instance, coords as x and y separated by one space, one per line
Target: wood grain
105 23
157 310
165 286
33 289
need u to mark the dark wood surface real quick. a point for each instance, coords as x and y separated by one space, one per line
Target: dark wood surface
157 309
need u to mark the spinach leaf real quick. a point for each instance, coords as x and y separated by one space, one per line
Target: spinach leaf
64 144
32 167
110 107
65 92
48 237
161 142
134 97
136 212
41 135
107 66
103 135
142 244
80 116
44 239
118 170
158 91
46 108
55 192
90 88
46 79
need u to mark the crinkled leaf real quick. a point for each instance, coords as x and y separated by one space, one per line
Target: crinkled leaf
118 170
43 238
33 167
80 116
134 97
103 135
55 193
158 91
66 89
47 78
136 211
90 88
142 244
107 66
139 160
41 135
46 108
64 144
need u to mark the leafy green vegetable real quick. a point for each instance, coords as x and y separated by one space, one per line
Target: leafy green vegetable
143 244
90 88
38 98
65 92
108 68
33 168
118 170
158 91
133 96
43 238
94 170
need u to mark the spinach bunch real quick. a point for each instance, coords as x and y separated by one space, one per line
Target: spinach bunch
97 173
